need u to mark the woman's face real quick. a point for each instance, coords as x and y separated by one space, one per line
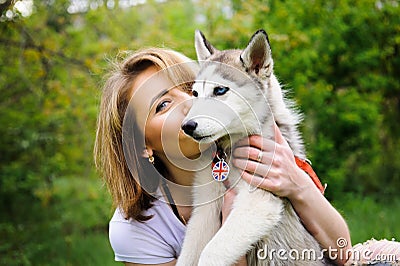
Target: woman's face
160 109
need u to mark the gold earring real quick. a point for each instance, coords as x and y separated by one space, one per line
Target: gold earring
151 159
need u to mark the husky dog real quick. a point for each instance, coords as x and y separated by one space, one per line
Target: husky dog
238 95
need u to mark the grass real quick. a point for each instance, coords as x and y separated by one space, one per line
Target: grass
86 213
66 225
92 249
368 218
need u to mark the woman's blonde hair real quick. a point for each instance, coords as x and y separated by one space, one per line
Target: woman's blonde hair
122 181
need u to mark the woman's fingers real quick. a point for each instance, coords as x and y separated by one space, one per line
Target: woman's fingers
253 153
227 205
256 141
257 181
261 143
278 135
248 153
264 162
254 167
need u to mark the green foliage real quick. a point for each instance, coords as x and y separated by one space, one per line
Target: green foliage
67 227
340 59
368 218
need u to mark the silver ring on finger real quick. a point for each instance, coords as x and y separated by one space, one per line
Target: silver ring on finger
259 157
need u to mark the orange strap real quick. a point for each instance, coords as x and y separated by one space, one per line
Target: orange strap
306 167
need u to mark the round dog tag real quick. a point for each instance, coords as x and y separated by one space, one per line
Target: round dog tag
220 171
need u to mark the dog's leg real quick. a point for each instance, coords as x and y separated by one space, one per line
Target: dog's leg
201 228
254 214
203 224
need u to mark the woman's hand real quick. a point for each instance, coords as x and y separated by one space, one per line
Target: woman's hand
227 204
270 165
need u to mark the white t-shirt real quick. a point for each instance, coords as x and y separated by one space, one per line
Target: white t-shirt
158 240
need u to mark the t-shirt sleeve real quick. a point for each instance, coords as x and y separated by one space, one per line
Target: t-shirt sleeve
137 243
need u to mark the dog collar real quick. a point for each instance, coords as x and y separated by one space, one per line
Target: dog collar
306 167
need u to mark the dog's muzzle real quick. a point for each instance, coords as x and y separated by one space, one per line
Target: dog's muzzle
189 127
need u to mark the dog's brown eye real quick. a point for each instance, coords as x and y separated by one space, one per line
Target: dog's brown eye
218 91
195 93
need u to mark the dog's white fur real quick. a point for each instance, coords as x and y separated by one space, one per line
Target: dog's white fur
253 103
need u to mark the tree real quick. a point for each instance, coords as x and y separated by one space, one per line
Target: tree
340 60
5 5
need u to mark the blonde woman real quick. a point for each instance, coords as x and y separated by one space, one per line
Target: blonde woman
141 151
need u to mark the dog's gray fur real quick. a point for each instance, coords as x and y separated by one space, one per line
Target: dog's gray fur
253 103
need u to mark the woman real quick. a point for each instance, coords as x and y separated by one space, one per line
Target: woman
147 227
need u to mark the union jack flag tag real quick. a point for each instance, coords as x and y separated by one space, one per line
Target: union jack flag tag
220 171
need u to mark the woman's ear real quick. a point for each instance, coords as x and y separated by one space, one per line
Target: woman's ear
147 153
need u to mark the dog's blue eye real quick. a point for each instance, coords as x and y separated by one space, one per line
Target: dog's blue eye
218 91
195 93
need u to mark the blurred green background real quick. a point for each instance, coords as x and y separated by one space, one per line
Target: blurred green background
340 59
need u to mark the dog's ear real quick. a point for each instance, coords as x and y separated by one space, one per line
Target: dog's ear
203 48
256 57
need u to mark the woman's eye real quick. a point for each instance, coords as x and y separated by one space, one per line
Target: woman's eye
161 106
218 91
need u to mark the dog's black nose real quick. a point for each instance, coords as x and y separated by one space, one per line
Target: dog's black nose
189 127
